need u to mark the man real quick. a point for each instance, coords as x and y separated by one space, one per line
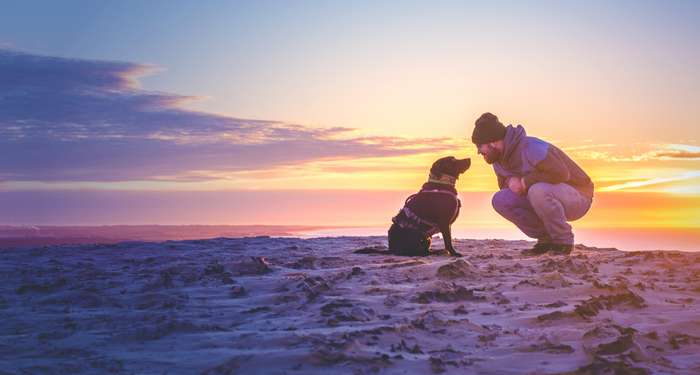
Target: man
541 188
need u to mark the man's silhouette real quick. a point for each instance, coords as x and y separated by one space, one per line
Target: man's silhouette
541 188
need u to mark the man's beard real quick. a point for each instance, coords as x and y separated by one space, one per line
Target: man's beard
492 155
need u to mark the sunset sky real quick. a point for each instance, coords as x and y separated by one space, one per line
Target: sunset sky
330 112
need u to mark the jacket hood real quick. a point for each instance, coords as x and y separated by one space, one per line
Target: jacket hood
514 135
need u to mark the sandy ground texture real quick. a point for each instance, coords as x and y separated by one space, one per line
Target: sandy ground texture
293 306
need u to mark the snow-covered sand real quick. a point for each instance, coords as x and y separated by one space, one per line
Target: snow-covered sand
310 306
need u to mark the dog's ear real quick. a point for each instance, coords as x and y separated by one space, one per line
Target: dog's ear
441 166
435 170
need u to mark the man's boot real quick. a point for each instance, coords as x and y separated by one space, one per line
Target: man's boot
560 249
540 248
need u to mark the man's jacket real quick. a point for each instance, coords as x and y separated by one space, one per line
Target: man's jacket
538 161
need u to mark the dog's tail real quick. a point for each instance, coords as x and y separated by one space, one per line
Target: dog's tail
374 250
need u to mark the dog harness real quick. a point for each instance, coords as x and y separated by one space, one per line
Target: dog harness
409 220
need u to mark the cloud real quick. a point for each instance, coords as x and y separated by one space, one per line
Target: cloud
679 151
653 181
657 152
588 147
679 155
83 120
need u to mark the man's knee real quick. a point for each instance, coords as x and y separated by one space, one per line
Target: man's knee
538 193
503 201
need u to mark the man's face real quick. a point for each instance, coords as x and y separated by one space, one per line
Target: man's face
490 152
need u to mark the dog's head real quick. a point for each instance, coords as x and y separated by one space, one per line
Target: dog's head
450 166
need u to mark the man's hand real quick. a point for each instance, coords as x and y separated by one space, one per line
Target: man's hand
516 185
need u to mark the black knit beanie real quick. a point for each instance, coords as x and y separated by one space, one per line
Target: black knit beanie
488 129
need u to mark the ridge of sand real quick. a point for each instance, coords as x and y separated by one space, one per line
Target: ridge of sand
310 306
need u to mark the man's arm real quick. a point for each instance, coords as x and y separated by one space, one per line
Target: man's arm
551 169
502 182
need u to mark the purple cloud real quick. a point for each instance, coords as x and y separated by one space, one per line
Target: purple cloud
83 120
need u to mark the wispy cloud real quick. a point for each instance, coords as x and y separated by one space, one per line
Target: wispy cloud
615 153
83 120
652 181
588 147
679 155
680 151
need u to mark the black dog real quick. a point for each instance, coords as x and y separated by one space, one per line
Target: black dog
433 209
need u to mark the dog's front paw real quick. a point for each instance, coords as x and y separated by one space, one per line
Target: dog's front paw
456 254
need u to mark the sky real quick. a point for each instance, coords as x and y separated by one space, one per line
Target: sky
330 112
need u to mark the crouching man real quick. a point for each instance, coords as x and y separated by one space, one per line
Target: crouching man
541 188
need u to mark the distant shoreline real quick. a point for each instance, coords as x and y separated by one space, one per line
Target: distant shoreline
44 235
628 239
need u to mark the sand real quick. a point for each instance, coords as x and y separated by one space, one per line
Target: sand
310 306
